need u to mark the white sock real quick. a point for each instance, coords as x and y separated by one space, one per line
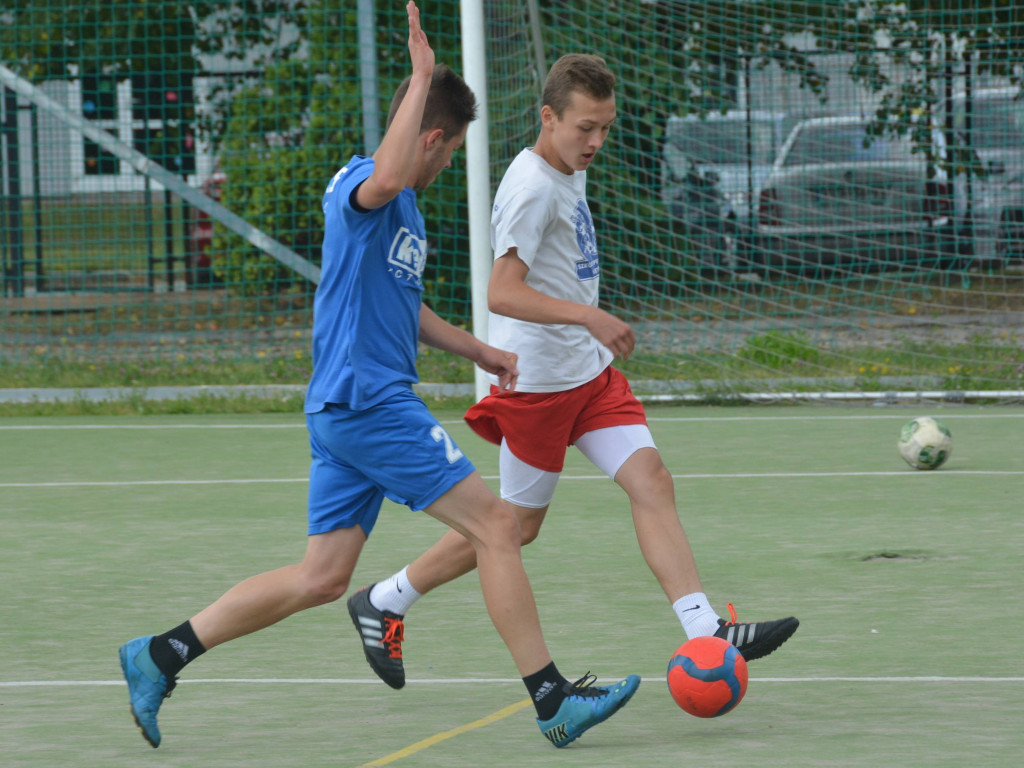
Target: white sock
394 594
696 615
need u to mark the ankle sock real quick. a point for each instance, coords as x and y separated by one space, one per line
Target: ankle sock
547 689
394 594
696 615
172 650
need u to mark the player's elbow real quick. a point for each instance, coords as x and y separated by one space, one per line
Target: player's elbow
384 185
500 303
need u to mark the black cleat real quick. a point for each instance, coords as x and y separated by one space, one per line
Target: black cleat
756 638
382 633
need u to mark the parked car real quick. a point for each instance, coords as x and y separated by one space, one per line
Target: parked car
199 271
995 135
732 150
711 167
838 197
701 216
1009 238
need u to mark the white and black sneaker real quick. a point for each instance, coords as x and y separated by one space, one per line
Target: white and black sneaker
382 633
756 638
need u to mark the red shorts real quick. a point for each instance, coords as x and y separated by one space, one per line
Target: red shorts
539 426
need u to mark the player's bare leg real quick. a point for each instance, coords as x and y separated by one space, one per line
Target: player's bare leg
492 531
663 542
453 555
260 601
322 576
378 611
666 548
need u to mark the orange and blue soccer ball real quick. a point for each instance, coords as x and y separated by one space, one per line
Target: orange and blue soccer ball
707 676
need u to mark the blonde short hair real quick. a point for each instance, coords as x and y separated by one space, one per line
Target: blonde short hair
577 72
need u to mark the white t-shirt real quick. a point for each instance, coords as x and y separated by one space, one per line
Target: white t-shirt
544 215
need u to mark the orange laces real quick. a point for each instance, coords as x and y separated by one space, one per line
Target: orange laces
393 637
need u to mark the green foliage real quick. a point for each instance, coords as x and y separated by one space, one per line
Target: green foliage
779 351
277 160
56 39
287 134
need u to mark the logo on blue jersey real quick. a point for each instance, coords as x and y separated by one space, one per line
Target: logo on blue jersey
408 256
335 179
587 268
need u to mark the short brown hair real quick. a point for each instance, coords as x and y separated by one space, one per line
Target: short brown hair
451 104
577 72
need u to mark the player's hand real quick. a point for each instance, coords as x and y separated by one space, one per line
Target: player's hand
420 53
615 334
502 364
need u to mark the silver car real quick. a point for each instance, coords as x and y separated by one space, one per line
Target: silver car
1009 237
838 197
995 134
732 151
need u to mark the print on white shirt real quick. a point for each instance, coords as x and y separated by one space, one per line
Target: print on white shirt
587 268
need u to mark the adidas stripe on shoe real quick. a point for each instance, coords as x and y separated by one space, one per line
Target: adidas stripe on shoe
756 638
382 633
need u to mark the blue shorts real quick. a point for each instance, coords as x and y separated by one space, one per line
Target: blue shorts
396 449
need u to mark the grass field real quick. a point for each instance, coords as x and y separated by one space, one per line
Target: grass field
907 584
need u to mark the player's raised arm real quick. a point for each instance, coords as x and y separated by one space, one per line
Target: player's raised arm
394 160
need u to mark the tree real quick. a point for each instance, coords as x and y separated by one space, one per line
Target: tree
59 39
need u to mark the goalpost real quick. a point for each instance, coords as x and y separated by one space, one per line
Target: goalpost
478 186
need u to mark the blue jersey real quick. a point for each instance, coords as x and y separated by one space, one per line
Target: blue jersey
366 313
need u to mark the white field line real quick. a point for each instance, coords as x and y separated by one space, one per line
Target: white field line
301 425
492 681
707 476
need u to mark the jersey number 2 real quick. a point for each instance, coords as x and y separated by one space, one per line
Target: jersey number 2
450 450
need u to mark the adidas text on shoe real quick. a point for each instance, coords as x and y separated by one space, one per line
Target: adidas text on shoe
585 706
756 638
382 633
147 686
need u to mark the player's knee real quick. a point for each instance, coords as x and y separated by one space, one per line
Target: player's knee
661 479
502 527
326 587
529 527
528 534
655 484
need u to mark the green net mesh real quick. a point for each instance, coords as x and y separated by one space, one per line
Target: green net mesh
819 196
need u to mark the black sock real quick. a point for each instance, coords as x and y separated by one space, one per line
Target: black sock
546 688
173 650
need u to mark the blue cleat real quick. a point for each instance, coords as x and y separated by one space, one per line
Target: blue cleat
147 686
585 706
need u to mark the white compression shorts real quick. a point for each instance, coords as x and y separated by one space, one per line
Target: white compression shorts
607 449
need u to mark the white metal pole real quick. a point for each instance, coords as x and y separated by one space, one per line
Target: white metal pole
367 20
478 179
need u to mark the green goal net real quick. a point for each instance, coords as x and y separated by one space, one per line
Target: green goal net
799 199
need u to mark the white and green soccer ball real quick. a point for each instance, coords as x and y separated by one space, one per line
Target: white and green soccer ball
925 443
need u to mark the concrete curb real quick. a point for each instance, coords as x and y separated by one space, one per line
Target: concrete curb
114 394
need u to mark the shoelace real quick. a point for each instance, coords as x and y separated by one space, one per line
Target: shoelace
584 687
170 687
733 617
393 636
